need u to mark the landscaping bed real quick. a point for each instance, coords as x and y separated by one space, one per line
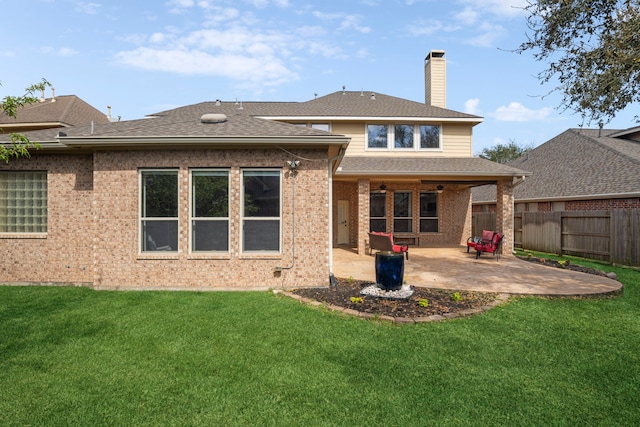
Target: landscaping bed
424 301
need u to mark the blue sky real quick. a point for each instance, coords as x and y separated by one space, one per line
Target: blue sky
142 57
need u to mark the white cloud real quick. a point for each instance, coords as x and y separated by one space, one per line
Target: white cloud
88 8
468 16
501 8
265 70
346 22
311 31
471 106
64 51
430 27
490 34
516 112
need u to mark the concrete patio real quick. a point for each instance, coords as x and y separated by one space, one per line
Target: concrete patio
454 268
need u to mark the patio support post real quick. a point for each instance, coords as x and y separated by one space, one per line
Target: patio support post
363 215
504 214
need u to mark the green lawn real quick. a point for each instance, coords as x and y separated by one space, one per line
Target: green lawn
74 356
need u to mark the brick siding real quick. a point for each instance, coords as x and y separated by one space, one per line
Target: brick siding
93 225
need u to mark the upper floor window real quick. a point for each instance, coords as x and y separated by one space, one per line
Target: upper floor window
209 210
321 126
23 202
261 210
404 136
377 136
159 210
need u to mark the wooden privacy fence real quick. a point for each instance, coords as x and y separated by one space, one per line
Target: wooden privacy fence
611 236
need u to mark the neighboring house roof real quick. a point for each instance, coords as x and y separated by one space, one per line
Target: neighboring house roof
346 105
61 111
577 164
457 168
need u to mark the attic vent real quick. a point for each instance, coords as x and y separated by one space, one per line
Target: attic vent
213 118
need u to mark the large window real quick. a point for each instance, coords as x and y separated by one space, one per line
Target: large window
159 210
23 202
209 210
261 210
402 216
404 137
378 212
428 212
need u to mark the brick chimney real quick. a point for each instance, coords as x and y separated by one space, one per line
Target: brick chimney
435 79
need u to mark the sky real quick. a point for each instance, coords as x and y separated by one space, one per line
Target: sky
142 57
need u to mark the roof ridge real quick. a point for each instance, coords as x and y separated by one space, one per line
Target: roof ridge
68 108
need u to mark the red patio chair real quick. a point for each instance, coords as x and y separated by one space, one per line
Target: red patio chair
492 246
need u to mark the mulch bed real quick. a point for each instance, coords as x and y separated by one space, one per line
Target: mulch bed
439 301
565 265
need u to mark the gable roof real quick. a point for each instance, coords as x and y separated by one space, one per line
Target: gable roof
577 164
61 111
338 105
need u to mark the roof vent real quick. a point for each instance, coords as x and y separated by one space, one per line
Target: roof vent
373 96
213 118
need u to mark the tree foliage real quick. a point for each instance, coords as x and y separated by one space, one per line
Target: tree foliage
19 144
503 153
592 48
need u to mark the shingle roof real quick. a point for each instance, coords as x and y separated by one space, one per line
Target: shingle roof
338 104
238 124
68 110
576 163
458 167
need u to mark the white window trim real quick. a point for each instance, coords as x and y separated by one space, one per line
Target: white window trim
192 218
391 137
242 217
141 252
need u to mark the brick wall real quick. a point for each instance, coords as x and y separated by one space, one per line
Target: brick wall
63 254
94 229
604 204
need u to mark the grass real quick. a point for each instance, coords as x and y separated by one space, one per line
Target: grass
74 356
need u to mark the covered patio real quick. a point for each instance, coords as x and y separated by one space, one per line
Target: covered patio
451 267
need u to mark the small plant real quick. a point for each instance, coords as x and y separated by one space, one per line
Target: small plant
423 302
456 296
356 300
350 280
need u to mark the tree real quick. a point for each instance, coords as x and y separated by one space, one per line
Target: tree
503 153
19 144
593 49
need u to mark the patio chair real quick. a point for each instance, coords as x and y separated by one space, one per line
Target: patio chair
492 246
487 237
384 242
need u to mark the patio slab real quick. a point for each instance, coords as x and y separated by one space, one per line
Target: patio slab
454 268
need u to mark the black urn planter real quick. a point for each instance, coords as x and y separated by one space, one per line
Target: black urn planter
389 270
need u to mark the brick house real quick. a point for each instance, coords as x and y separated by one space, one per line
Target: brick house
243 195
580 169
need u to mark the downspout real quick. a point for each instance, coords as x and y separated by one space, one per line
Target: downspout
517 182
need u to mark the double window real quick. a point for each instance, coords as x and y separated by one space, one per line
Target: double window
159 210
23 202
209 211
403 137
261 210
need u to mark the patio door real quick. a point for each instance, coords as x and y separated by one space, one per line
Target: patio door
343 222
